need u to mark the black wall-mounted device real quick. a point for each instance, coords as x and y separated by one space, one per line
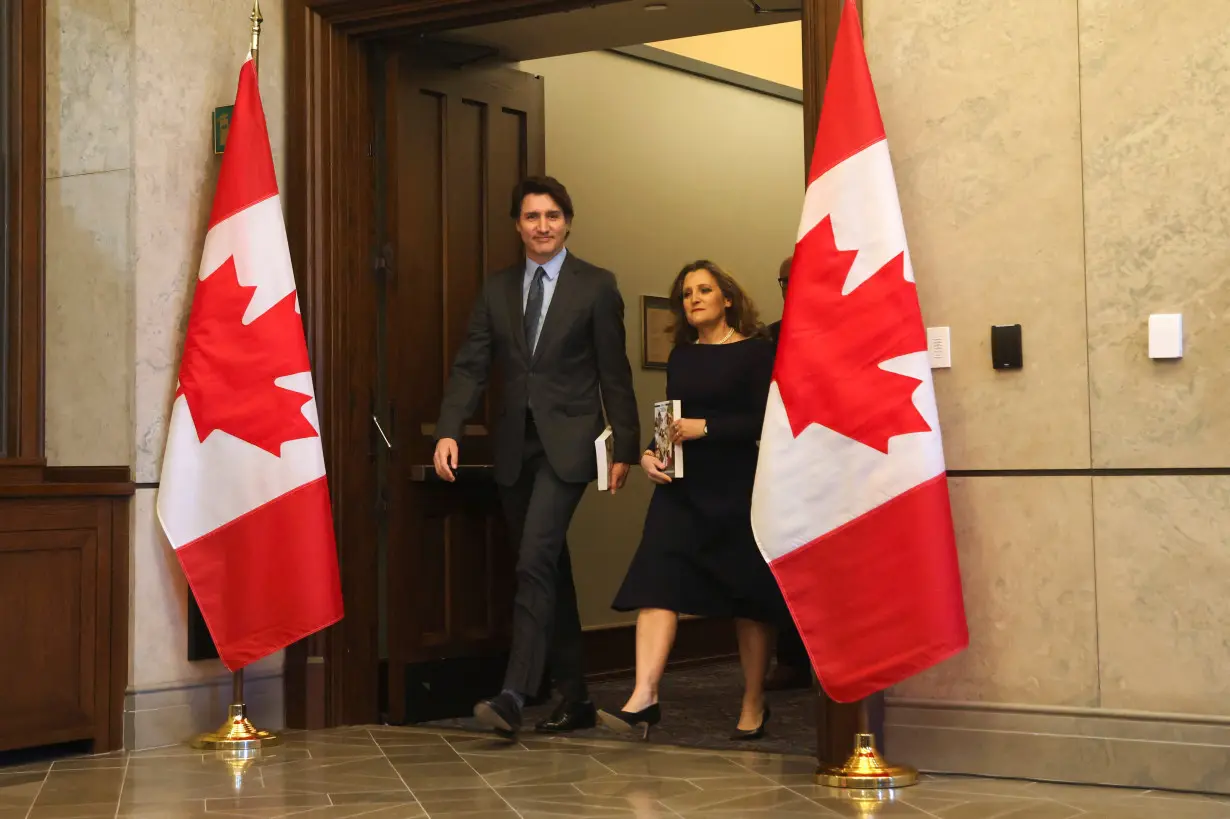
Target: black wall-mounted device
1006 352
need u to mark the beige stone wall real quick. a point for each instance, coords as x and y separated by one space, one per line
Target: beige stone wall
1155 86
131 86
89 336
985 137
1063 164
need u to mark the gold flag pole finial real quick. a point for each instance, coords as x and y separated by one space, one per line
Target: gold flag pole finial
256 33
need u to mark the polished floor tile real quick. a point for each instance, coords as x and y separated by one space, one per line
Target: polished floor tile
417 773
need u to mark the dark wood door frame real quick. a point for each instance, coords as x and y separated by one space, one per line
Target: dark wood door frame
330 221
21 419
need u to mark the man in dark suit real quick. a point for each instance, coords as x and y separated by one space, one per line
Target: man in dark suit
793 668
555 324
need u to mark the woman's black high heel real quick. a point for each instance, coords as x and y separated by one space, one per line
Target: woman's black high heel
628 722
755 733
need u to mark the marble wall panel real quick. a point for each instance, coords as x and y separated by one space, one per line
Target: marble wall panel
1155 114
981 106
1027 571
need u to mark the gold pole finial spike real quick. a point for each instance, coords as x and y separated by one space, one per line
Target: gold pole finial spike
256 19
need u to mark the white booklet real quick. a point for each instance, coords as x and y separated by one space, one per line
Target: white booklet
664 415
604 450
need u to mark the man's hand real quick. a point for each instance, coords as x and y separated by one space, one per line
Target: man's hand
445 459
687 429
619 474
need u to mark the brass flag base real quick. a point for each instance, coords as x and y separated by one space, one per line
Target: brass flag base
865 770
237 733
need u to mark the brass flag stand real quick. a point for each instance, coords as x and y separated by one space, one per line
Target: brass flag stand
866 770
237 740
237 733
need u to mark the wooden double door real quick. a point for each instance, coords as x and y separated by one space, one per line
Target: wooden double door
448 146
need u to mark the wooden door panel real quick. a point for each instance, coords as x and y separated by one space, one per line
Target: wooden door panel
48 583
464 270
514 147
428 579
417 216
480 583
459 570
457 142
64 623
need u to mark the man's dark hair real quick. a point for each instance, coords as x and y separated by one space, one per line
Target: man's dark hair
547 185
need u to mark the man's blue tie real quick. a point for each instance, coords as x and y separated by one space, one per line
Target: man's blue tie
533 309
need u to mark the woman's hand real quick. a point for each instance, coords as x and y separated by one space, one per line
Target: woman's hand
687 429
653 468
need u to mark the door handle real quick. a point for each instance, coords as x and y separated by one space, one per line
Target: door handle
426 473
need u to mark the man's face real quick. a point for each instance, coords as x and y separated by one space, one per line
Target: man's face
783 275
542 226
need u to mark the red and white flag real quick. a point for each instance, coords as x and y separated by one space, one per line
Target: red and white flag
244 499
851 502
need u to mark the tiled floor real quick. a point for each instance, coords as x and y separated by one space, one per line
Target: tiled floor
392 773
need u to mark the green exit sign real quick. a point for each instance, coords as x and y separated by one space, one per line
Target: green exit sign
222 125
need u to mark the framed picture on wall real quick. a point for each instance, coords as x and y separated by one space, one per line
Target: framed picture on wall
657 332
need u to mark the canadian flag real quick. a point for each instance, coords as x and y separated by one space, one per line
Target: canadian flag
243 499
851 502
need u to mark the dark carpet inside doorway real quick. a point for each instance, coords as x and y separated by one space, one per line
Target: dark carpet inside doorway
700 707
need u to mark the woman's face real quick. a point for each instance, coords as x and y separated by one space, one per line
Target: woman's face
703 302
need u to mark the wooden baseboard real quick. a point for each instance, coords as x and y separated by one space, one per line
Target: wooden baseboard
611 652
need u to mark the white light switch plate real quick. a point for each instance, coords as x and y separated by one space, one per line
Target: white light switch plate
1166 335
939 347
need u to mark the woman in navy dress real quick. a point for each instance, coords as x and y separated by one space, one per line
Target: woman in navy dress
697 554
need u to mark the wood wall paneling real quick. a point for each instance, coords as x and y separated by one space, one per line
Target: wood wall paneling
820 20
21 423
329 224
392 17
64 551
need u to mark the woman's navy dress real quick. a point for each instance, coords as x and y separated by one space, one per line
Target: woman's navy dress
697 553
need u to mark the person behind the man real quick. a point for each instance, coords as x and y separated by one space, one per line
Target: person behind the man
793 668
555 325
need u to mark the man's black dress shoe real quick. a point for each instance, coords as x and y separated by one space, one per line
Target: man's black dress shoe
569 716
501 714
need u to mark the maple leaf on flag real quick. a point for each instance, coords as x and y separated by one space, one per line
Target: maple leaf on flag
229 368
832 346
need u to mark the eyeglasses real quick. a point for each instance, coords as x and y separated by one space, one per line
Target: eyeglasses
782 282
